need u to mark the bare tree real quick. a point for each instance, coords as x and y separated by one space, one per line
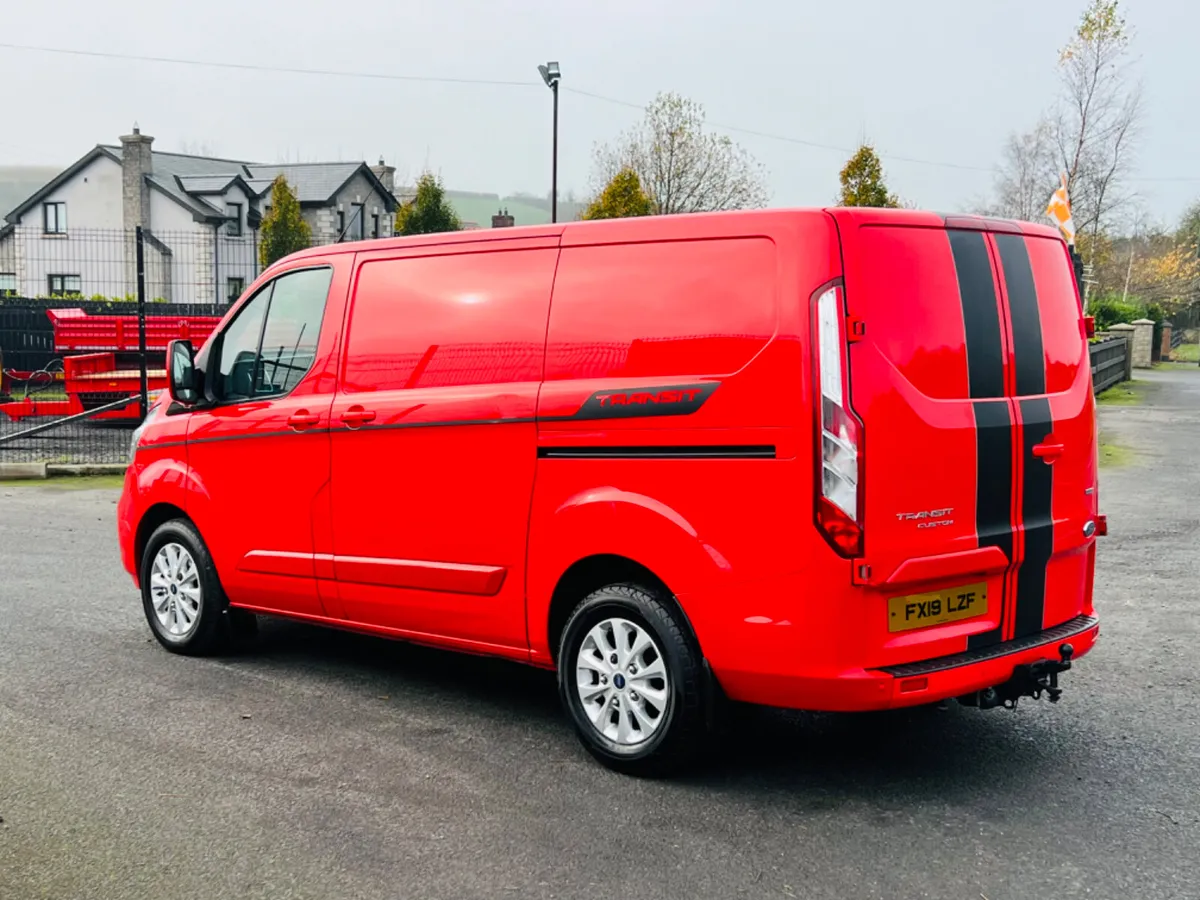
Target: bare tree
198 148
681 167
1027 175
1097 122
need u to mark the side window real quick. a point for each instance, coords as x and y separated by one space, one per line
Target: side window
289 344
440 321
239 350
272 343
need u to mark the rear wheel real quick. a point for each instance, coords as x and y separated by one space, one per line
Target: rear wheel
632 679
181 594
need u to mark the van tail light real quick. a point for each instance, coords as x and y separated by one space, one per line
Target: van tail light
838 431
1089 326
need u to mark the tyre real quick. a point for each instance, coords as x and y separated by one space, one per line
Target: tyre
181 595
632 679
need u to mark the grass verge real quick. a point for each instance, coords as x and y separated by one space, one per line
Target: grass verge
69 483
1187 353
1127 393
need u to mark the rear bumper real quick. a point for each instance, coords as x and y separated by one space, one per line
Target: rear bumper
927 681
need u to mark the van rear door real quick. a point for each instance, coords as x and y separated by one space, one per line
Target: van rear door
969 458
1056 419
927 380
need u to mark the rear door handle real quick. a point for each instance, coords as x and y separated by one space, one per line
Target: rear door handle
303 419
1048 452
356 416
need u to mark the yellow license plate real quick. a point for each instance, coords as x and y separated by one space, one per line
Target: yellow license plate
937 607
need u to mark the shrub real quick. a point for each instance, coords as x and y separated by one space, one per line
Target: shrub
1111 310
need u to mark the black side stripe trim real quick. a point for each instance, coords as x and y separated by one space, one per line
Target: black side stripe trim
1023 311
676 452
630 403
993 490
1038 491
981 313
679 400
290 432
441 423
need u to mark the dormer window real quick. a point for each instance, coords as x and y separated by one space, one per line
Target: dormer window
234 212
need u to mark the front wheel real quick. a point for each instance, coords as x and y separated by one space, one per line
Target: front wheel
632 680
181 594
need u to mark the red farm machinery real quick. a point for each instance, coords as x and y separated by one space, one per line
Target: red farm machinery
98 364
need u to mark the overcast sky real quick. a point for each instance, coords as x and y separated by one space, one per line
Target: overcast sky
943 80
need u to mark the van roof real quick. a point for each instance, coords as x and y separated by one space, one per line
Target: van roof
664 226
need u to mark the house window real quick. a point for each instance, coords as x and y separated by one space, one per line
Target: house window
341 224
8 284
234 212
357 223
64 285
54 218
234 288
375 225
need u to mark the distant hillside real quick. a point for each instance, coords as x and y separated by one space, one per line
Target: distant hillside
525 209
17 183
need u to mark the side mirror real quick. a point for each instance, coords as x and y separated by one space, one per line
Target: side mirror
181 373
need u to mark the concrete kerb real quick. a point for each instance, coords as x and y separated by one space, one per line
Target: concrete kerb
28 470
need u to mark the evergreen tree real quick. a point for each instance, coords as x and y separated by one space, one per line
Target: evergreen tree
428 212
284 231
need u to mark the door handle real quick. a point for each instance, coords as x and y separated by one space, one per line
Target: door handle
303 419
356 416
1048 453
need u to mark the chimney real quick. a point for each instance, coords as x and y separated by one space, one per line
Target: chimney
136 164
386 175
502 219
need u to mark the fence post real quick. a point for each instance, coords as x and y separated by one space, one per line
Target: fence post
143 398
1125 330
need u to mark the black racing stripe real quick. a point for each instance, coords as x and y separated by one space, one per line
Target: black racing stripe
1038 487
993 491
1023 311
754 451
981 316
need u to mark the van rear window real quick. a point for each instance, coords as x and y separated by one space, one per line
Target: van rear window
1060 312
440 321
661 309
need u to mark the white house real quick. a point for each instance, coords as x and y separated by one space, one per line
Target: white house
200 217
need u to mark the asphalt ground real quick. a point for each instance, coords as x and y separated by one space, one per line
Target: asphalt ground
327 765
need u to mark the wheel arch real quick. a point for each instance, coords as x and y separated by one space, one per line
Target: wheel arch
591 573
153 517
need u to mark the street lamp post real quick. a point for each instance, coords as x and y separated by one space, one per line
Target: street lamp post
551 75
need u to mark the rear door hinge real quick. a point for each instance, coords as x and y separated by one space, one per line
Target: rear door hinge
856 329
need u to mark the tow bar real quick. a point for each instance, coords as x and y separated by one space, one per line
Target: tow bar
1029 680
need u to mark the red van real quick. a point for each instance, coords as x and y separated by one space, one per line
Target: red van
835 459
